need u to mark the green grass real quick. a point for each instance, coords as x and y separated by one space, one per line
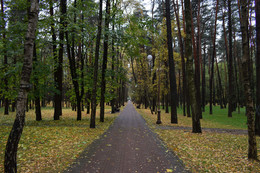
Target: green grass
48 145
219 118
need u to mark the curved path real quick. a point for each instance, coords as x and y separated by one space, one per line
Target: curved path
129 146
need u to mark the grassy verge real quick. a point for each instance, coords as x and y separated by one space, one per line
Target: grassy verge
207 152
51 146
219 119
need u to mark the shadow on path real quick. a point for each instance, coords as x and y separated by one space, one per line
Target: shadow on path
129 146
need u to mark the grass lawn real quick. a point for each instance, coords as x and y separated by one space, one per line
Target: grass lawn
48 145
208 152
219 118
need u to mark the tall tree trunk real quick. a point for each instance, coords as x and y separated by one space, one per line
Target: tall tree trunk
236 74
113 60
196 128
10 163
197 63
257 115
220 95
72 63
184 87
104 65
95 77
36 88
252 150
6 100
231 90
203 100
58 72
173 88
212 62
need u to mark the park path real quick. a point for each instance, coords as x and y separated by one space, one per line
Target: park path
129 146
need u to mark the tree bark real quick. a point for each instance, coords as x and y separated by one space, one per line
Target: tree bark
95 79
72 63
104 65
196 128
257 115
212 62
58 72
36 88
6 100
10 163
231 90
252 148
173 88
184 87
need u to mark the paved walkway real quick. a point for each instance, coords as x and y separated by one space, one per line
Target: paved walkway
129 146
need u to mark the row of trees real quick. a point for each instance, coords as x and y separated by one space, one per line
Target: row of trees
202 51
64 55
61 52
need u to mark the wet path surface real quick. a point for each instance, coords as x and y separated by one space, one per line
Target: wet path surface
128 146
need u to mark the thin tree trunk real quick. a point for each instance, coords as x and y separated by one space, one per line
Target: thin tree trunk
173 88
10 163
212 61
95 77
104 65
184 85
257 115
72 63
252 148
58 72
113 61
36 88
231 90
203 101
6 100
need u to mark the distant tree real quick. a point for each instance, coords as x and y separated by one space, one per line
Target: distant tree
10 163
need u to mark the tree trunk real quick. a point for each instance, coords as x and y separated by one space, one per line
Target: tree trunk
36 88
6 100
231 90
95 77
257 115
184 87
173 89
196 128
203 101
212 61
10 164
113 62
58 73
197 63
72 63
252 150
104 65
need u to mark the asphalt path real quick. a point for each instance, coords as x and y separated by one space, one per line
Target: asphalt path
129 146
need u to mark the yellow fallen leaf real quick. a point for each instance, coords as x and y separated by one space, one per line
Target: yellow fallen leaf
169 170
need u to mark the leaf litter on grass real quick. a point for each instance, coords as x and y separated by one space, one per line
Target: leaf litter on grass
208 152
51 146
